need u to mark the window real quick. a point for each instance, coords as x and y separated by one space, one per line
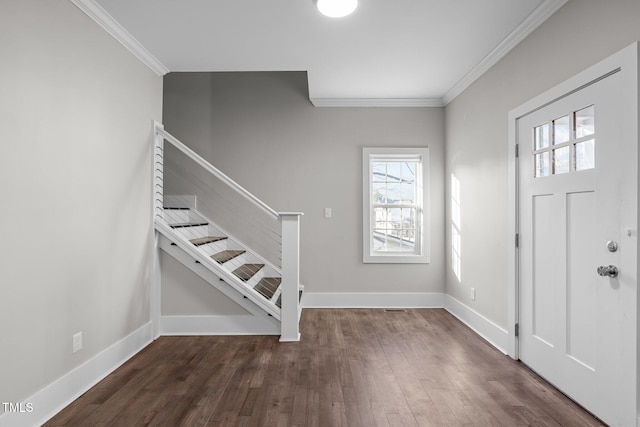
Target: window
566 144
395 202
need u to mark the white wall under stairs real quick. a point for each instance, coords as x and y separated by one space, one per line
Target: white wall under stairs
235 273
243 318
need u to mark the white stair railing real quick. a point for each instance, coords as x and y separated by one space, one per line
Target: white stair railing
289 223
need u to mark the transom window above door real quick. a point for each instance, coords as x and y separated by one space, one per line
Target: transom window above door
566 144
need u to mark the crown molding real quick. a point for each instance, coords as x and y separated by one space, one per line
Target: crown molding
377 102
533 21
94 11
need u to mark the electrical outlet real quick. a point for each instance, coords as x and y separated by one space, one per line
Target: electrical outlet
77 342
473 294
327 212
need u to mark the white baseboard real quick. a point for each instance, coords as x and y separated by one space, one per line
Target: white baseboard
494 334
60 393
372 300
218 325
484 327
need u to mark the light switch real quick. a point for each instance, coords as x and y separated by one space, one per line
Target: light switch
327 212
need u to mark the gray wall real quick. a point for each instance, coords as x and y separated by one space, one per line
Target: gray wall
76 111
578 35
185 293
262 131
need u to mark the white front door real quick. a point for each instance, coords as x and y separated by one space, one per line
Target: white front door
571 177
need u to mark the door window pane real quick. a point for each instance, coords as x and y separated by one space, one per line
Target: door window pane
585 122
541 136
561 160
543 164
561 132
585 155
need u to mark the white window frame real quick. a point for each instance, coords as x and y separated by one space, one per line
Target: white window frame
421 254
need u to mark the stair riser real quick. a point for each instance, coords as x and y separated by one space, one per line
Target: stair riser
235 262
193 232
173 216
213 248
180 201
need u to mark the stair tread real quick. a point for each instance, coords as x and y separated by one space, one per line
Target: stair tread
208 239
247 271
224 256
267 286
188 224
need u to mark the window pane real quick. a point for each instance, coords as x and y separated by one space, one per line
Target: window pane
379 194
379 240
542 165
561 160
541 136
408 218
408 193
408 241
585 122
394 171
379 219
585 155
394 194
561 130
379 171
409 171
394 217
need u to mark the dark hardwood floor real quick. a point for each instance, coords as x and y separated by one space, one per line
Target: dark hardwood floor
352 368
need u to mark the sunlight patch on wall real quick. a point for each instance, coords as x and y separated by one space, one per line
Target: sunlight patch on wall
455 228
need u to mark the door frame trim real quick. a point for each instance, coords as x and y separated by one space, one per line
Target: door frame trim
626 63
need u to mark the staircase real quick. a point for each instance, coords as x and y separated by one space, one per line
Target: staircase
235 268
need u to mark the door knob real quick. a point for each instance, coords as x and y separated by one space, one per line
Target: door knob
608 270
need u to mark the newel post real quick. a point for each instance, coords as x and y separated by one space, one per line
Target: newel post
290 312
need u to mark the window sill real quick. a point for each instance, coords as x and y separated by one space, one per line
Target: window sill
396 259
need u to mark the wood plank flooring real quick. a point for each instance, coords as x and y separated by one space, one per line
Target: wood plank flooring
352 368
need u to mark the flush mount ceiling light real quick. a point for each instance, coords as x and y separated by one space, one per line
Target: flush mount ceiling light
336 8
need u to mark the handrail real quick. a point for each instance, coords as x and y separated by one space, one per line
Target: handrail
216 172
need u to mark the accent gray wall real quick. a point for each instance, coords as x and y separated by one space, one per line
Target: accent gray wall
76 110
262 131
578 35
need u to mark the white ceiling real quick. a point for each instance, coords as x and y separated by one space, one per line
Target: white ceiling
421 51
